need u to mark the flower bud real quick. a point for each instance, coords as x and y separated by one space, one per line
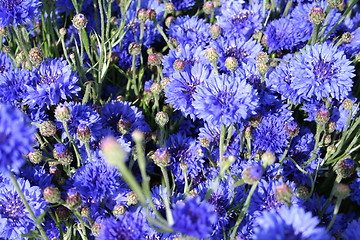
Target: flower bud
231 64
3 32
83 133
184 166
132 198
179 65
331 126
35 156
79 21
134 48
211 54
284 193
322 115
155 88
215 31
252 174
6 49
36 56
151 14
62 113
247 133
73 198
161 118
208 7
331 149
346 37
20 58
154 59
142 15
119 210
316 15
52 195
292 128
62 32
341 190
334 3
169 20
348 104
63 213
47 128
268 158
113 151
302 192
138 136
95 229
124 126
262 57
85 212
344 167
161 157
204 142
169 8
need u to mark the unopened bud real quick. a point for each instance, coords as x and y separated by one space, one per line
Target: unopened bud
83 133
114 153
161 157
85 212
284 193
62 113
179 65
204 142
138 136
169 20
331 126
184 166
151 14
231 64
334 3
62 154
124 126
345 167
341 190
331 149
134 48
142 15
348 104
36 56
6 49
262 57
211 54
47 128
132 198
62 32
215 31
3 32
35 156
73 198
52 195
316 15
302 192
346 37
268 158
119 210
162 118
292 128
154 59
262 68
208 7
63 213
155 88
322 115
79 21
169 8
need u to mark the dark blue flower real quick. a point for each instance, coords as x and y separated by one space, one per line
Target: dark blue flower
194 218
16 137
181 5
17 12
289 223
352 231
271 135
322 71
12 85
5 62
96 180
182 87
36 175
54 81
355 187
15 220
225 100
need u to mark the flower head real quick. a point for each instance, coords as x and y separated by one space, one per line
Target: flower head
17 12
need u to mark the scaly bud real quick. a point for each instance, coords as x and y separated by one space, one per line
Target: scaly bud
52 195
47 128
79 21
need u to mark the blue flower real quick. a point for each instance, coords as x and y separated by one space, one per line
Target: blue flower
54 81
36 175
355 187
183 150
194 218
182 87
322 71
17 12
96 180
12 85
5 63
181 5
16 138
225 100
15 220
352 231
289 223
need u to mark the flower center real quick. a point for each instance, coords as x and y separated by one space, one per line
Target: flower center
11 207
48 79
10 4
239 53
241 17
323 70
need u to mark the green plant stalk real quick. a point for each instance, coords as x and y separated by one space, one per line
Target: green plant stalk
22 43
142 28
77 154
167 200
133 78
243 210
319 129
222 141
26 203
336 211
65 51
161 31
88 152
82 223
314 35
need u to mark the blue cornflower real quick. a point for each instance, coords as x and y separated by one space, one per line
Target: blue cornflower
352 231
355 187
14 218
241 21
271 134
193 31
194 218
53 82
36 175
353 46
243 50
182 87
289 223
183 151
123 119
96 180
17 12
282 34
12 85
16 137
322 71
225 100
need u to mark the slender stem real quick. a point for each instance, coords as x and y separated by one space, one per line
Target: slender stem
167 200
88 151
336 211
314 35
221 143
78 157
161 31
27 205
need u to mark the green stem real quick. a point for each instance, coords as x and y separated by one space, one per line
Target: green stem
336 211
27 205
167 200
319 129
161 31
77 154
88 151
221 143
314 35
